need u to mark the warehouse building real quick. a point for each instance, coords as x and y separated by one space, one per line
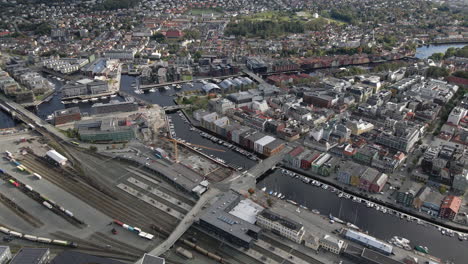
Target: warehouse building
129 105
219 220
84 87
281 225
67 115
105 130
56 157
31 256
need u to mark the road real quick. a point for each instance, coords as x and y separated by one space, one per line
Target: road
30 118
241 182
184 225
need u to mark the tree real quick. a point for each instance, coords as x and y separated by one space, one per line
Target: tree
442 189
437 72
437 56
92 148
159 37
191 34
269 202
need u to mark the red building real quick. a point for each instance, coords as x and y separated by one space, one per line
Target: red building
378 184
174 34
67 115
450 206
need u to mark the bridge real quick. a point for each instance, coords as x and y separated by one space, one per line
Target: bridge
33 121
176 107
238 182
184 225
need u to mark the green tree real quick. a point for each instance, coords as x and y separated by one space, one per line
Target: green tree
92 148
437 72
159 37
437 56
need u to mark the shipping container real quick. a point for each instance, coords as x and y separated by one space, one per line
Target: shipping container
118 222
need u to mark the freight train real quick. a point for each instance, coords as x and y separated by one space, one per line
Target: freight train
38 239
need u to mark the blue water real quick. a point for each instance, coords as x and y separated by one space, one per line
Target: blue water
426 51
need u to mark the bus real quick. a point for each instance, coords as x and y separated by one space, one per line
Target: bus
75 143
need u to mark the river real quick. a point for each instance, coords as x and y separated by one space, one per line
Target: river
424 52
378 224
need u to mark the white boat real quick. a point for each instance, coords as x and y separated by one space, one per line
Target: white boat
63 102
152 90
75 101
85 101
103 97
264 189
94 99
178 86
315 211
275 193
291 202
167 88
279 195
352 226
340 195
113 95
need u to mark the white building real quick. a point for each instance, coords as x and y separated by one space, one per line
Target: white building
281 225
456 115
261 143
5 254
57 157
332 244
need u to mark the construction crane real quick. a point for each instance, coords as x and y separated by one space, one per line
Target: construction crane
176 154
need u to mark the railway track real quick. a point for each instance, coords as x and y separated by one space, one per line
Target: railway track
113 208
20 211
101 248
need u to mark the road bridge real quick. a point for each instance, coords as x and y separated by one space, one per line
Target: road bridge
184 225
176 107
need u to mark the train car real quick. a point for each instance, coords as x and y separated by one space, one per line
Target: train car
31 126
29 237
185 253
75 143
20 168
44 240
68 213
60 242
137 230
4 230
29 188
73 244
37 176
14 183
16 234
46 204
146 235
117 222
15 162
25 168
125 226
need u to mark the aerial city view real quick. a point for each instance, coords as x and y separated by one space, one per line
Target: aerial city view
233 131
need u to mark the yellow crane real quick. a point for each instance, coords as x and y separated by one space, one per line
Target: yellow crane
176 154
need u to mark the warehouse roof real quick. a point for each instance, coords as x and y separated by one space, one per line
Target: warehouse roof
265 140
57 157
30 256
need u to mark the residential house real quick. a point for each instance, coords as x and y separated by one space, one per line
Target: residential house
450 207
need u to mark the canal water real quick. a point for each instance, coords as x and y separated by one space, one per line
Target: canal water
378 224
426 51
6 121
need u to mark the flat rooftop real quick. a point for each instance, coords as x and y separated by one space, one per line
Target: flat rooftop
247 210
